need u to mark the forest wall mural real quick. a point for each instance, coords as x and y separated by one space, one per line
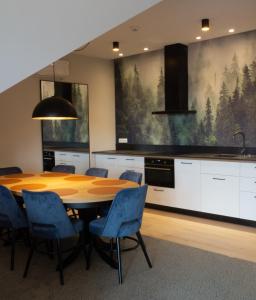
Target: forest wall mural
222 88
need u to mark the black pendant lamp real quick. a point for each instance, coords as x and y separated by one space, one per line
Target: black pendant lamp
54 108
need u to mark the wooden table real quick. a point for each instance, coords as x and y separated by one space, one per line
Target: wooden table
85 193
76 191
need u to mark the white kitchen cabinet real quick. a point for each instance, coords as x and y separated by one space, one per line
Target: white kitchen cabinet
161 196
79 160
220 194
187 184
247 208
117 164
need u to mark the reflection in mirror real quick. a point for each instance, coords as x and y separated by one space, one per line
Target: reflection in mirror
66 142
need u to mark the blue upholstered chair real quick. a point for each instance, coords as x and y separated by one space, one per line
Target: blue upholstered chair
124 219
98 172
48 220
12 217
10 170
132 176
64 169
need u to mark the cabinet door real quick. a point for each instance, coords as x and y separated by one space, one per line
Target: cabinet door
161 196
187 184
108 162
247 208
220 194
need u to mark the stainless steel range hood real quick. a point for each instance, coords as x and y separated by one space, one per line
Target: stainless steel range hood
176 80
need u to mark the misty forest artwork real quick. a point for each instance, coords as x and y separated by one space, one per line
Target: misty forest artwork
222 88
68 131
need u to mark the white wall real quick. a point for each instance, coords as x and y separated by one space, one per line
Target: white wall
21 136
36 33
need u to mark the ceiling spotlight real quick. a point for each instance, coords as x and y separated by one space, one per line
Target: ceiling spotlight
231 30
198 38
205 25
120 54
115 46
146 49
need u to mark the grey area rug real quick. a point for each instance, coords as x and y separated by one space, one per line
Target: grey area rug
179 272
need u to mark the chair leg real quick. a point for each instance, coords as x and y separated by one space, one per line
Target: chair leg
120 276
13 241
59 254
31 252
143 247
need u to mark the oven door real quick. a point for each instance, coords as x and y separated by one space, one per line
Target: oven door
159 176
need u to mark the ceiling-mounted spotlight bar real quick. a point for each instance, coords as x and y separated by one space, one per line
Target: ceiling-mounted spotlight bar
205 25
115 46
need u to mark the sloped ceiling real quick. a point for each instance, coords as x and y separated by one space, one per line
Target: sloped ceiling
36 33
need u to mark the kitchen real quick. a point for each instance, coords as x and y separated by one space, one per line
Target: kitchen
201 169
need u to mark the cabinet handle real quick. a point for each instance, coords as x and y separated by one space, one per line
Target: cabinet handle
158 190
62 154
111 158
76 155
129 159
186 163
216 178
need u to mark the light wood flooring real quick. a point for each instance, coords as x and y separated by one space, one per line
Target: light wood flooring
214 236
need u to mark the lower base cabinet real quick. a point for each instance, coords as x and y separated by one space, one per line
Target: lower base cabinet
248 206
220 194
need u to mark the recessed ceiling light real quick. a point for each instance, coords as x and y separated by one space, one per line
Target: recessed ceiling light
205 25
231 30
145 49
198 38
121 54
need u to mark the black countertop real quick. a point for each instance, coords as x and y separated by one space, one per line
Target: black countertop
210 156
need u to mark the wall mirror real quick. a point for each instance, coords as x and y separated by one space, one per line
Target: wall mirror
66 142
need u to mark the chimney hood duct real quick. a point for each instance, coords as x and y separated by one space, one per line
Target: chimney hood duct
176 80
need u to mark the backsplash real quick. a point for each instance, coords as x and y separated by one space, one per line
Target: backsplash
222 88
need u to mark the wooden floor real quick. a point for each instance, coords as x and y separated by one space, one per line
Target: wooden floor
219 237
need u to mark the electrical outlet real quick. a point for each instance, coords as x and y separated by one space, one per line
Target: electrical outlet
123 140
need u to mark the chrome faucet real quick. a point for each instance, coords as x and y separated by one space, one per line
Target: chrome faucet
239 132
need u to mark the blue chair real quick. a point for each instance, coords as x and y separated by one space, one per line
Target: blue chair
10 170
124 219
12 218
132 176
98 172
64 169
48 220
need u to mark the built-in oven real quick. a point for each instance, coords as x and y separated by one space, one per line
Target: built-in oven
48 160
159 172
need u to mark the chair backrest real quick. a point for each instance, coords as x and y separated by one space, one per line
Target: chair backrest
64 169
47 216
125 214
98 172
10 170
132 176
11 214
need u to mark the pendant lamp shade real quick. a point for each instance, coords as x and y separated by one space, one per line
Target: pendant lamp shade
54 108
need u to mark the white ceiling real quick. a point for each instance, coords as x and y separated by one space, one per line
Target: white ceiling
175 21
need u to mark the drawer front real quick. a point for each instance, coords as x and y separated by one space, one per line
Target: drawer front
247 206
220 167
131 161
105 161
61 155
161 196
248 169
248 184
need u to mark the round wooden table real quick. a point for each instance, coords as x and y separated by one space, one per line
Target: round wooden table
76 191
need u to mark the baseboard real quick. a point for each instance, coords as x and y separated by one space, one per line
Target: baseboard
202 215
